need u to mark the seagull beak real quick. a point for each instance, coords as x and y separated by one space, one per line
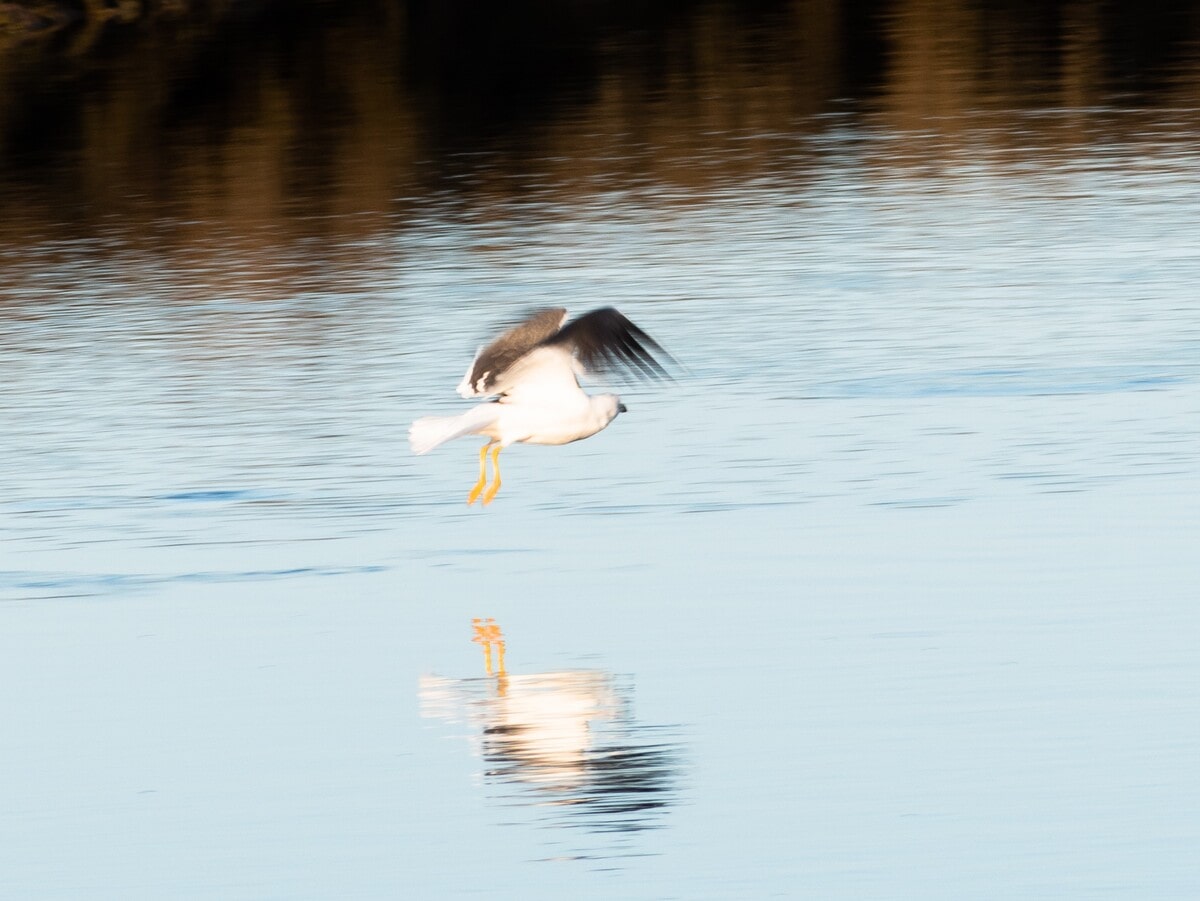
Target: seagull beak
621 408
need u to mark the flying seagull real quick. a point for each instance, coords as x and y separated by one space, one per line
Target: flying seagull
532 371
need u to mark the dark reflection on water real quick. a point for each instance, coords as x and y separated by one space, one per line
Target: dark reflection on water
542 740
564 745
332 120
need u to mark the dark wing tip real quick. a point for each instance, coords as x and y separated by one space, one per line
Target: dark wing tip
605 340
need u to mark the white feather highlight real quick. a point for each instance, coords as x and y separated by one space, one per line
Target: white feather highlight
465 388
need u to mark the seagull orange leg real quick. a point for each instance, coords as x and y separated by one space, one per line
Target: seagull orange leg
474 495
495 486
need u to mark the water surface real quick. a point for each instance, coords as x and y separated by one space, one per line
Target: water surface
890 594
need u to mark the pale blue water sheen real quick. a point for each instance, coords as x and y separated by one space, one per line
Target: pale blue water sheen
893 594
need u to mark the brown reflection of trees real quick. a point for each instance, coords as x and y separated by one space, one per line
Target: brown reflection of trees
262 123
966 72
717 98
1034 55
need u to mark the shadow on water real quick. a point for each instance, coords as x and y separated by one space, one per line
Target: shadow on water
564 745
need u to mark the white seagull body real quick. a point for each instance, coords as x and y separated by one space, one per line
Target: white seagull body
532 370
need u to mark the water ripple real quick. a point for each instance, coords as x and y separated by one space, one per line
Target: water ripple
68 584
1015 382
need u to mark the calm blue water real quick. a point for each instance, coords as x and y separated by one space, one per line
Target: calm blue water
891 594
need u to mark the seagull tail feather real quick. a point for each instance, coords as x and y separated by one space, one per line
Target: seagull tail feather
428 432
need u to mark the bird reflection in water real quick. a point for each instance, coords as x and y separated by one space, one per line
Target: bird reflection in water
563 742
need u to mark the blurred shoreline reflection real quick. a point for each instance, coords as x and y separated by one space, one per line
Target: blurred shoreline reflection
350 119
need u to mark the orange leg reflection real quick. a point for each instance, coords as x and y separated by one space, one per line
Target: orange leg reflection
488 634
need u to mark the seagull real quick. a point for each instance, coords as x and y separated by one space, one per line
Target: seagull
532 372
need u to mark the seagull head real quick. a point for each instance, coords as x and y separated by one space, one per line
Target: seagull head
606 407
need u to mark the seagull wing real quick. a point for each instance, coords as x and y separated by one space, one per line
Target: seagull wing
485 376
605 341
547 376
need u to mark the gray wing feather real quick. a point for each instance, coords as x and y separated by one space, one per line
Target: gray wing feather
497 357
